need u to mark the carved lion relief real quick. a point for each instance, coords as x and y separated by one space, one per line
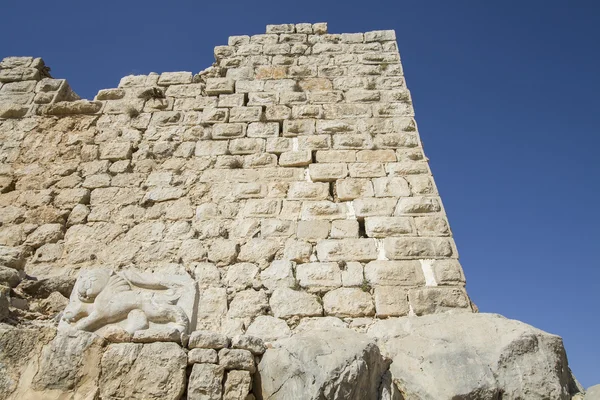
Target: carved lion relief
125 302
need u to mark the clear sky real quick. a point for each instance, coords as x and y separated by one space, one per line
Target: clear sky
507 97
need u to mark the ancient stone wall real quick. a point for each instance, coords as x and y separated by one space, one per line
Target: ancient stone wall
265 229
288 180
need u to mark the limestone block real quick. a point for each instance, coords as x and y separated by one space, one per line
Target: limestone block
263 129
257 250
447 272
12 257
430 300
277 228
394 273
381 227
251 343
202 356
69 362
391 301
264 98
184 90
9 277
352 188
49 252
418 205
348 302
295 158
210 148
216 86
205 274
16 62
279 274
315 142
308 191
344 228
352 274
71 107
215 115
286 303
312 210
241 276
248 304
247 146
380 36
149 371
336 156
369 207
237 385
175 78
366 170
208 340
391 187
114 151
292 128
313 230
223 251
319 275
432 226
347 250
205 382
105 302
212 307
47 233
327 172
19 74
237 359
268 328
8 110
281 28
245 114
246 86
277 112
407 248
320 28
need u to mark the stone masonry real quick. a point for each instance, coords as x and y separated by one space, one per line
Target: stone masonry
288 180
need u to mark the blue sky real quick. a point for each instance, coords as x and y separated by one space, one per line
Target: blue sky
507 101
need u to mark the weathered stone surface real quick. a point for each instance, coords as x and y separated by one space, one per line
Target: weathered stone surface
205 382
307 366
208 340
70 362
237 385
268 328
473 356
237 359
250 343
143 371
286 303
592 393
202 356
348 302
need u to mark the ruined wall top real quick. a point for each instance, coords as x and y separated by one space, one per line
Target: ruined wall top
288 180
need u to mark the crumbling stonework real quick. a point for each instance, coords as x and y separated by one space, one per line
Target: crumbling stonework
282 190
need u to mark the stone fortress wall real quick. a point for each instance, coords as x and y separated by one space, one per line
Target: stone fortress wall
265 229
288 179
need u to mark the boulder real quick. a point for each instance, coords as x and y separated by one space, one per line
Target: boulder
473 356
593 393
330 364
